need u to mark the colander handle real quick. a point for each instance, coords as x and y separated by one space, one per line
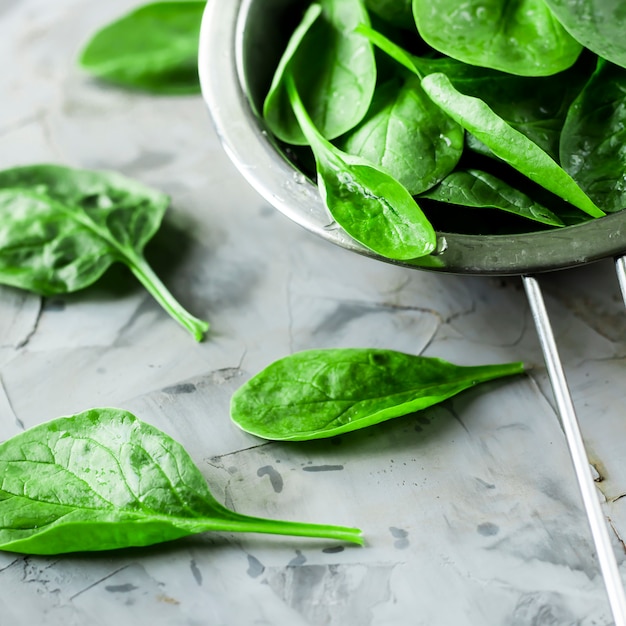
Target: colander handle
620 267
571 428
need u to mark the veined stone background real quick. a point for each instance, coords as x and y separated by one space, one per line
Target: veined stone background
470 510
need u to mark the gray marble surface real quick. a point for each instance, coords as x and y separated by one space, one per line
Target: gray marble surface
470 510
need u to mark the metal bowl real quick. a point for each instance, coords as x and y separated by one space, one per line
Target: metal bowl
240 44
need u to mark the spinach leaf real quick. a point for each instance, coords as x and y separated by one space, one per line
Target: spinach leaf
593 141
334 68
369 204
396 12
520 37
61 228
474 188
406 134
153 48
102 480
478 147
323 393
596 24
534 106
507 143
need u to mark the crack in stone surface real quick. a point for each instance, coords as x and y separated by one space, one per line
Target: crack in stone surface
616 498
617 534
214 461
31 333
98 582
549 399
14 563
457 417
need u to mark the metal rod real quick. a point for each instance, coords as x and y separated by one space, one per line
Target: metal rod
562 395
620 268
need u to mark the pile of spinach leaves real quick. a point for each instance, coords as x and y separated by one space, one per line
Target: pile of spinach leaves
521 110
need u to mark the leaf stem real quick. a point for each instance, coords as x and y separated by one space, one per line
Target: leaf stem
245 523
393 50
319 144
148 278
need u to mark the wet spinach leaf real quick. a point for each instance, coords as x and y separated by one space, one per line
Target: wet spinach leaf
103 479
474 188
521 37
61 228
153 48
334 69
406 134
596 24
593 141
534 106
507 143
369 204
322 393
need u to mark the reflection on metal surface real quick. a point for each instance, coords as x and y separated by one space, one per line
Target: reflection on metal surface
620 267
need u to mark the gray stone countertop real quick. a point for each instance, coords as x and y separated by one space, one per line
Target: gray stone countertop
470 510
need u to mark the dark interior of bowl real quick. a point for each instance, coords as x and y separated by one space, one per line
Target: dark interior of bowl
476 240
265 28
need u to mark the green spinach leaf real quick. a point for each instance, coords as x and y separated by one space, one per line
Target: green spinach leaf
406 134
593 141
102 480
534 106
153 48
520 36
596 24
61 228
334 68
323 393
396 12
507 143
369 204
474 188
